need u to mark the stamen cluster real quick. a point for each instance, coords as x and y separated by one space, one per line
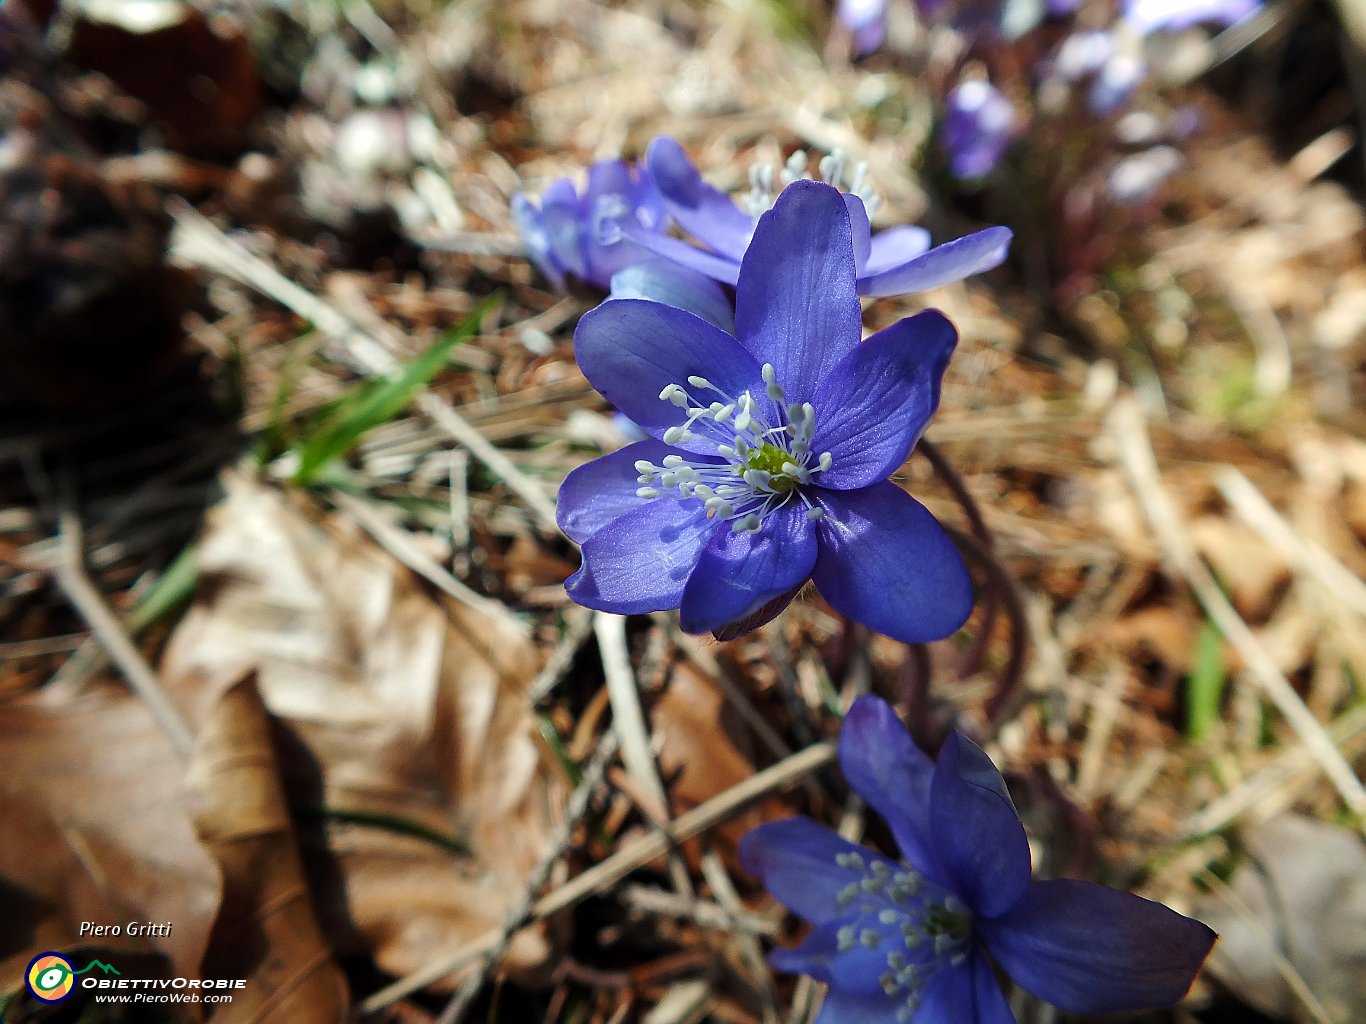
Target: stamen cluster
831 169
920 940
918 924
763 466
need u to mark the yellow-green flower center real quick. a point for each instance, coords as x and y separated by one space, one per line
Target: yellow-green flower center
770 458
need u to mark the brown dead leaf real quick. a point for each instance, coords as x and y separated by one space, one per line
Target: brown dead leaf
1252 573
1293 924
703 751
409 714
266 931
94 827
1156 631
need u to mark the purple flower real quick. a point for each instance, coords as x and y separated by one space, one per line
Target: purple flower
1146 16
913 941
893 262
979 123
770 448
582 235
867 20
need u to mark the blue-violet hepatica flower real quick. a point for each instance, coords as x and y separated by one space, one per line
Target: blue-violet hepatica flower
582 235
897 261
913 941
770 448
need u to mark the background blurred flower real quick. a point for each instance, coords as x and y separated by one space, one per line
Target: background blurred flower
979 124
909 941
1147 16
570 234
897 261
770 449
867 20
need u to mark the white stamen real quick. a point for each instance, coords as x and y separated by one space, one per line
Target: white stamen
744 487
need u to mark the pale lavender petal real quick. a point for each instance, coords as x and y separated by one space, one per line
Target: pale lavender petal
885 562
630 349
562 214
1090 949
740 573
877 402
858 228
681 287
796 305
704 212
607 178
719 268
893 247
944 264
639 562
977 833
892 775
526 215
604 489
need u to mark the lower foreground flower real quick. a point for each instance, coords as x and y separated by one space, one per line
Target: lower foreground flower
770 449
913 941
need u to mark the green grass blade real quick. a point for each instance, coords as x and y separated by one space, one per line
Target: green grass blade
168 594
1205 687
372 403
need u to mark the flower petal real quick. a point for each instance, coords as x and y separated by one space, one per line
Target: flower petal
886 563
629 349
967 993
604 489
860 233
704 212
663 281
1090 949
893 247
639 562
943 264
739 573
877 402
685 254
843 1008
795 859
854 969
892 775
562 215
976 831
527 216
796 305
